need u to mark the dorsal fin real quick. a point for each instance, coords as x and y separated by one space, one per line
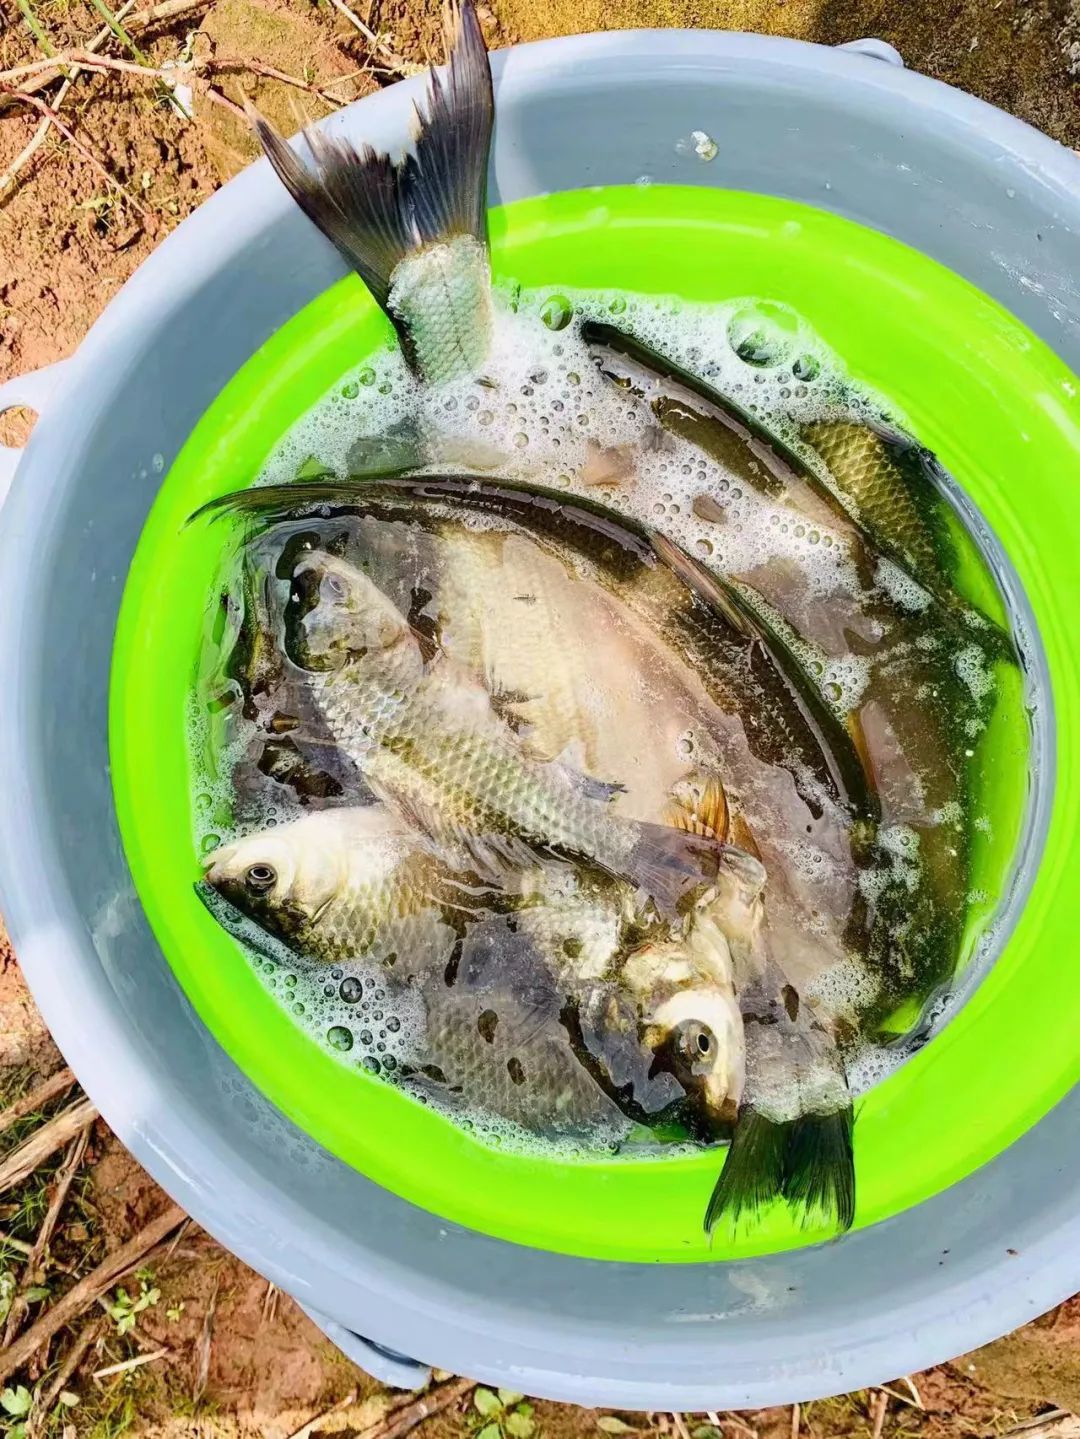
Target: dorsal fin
701 808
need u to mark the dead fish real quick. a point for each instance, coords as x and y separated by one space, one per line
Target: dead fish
244 679
711 625
428 741
339 884
873 477
549 1012
415 229
793 1133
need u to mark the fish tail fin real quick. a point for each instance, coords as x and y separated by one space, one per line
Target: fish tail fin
377 210
753 1172
819 1167
808 1161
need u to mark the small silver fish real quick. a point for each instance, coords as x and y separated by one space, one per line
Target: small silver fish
337 884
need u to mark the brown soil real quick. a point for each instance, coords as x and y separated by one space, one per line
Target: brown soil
241 1360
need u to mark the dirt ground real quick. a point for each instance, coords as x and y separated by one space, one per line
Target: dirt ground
205 1347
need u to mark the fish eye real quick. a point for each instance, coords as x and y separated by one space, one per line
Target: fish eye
335 586
260 878
696 1042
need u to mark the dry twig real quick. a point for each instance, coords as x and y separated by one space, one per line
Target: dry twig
398 62
134 20
88 1290
881 1406
309 1428
912 1402
44 1142
680 1424
127 1364
86 153
72 1359
38 1098
1055 1424
796 1419
730 1417
68 1170
206 1339
403 1420
98 64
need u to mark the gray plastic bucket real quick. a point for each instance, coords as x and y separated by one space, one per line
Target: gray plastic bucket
974 189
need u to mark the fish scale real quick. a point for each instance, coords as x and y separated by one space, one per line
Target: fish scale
466 781
865 470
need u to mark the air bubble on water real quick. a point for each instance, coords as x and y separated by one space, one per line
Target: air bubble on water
900 587
210 842
157 463
971 669
351 390
556 312
762 334
366 376
338 1037
351 990
617 306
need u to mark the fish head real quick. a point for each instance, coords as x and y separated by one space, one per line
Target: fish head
690 1019
338 614
282 878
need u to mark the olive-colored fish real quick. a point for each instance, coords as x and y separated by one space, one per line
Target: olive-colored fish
427 739
929 657
416 228
871 475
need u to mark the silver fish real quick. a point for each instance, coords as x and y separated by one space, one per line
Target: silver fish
549 1013
427 740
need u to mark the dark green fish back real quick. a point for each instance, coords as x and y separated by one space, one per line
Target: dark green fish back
887 480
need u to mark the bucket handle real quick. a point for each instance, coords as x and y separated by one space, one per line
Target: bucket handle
385 1365
876 49
32 391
